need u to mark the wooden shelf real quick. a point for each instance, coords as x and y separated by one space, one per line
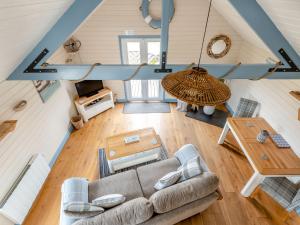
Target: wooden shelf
295 94
86 100
6 127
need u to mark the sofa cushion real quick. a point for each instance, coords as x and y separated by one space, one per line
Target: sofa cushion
150 174
132 212
82 207
109 201
185 192
187 152
125 183
190 169
168 180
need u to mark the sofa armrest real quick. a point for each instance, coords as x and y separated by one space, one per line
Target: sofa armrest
73 189
185 192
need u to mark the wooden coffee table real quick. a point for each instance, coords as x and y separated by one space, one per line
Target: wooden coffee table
121 155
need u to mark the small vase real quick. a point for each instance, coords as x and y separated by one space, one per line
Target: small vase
209 110
262 136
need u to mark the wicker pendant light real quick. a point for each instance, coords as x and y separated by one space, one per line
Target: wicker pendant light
195 86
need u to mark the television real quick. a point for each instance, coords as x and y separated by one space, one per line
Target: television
88 87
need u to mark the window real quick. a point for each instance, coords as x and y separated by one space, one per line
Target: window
135 51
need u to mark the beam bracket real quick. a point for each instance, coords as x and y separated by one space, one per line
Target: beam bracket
293 67
31 69
163 65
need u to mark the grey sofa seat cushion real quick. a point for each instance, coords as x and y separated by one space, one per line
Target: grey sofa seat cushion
185 192
184 212
125 183
132 212
150 174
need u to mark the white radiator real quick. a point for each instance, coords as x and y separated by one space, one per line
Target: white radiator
18 201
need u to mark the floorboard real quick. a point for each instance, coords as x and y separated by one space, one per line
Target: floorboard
79 158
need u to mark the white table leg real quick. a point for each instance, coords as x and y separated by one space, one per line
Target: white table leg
223 134
254 181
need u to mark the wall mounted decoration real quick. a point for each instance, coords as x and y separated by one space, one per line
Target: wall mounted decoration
154 23
20 106
295 94
218 46
6 127
46 88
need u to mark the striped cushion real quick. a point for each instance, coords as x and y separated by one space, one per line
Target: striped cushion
190 169
108 201
186 152
295 202
81 207
167 180
280 189
246 108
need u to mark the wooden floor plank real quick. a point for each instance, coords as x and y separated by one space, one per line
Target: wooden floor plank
79 158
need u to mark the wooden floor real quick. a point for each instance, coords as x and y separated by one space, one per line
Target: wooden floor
79 158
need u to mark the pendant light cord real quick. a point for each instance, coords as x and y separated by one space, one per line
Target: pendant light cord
208 14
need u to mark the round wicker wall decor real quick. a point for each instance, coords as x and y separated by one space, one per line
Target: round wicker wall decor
217 39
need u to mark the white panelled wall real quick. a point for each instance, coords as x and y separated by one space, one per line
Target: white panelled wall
41 127
278 107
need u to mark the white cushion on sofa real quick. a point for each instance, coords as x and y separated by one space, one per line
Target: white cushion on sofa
190 169
167 180
108 201
81 207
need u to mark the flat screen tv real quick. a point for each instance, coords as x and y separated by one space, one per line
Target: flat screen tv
88 87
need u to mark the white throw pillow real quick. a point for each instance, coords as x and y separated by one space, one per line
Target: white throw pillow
190 169
167 180
81 207
108 201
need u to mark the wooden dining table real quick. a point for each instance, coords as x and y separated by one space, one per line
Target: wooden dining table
266 159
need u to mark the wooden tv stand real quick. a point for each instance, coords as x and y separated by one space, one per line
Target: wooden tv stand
91 106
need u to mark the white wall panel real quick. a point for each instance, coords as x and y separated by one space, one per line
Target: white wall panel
40 128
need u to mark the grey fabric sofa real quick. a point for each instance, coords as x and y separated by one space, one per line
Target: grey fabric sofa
144 205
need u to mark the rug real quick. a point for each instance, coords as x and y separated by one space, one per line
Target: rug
146 107
218 119
104 169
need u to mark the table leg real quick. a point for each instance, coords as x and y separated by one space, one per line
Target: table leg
223 134
250 186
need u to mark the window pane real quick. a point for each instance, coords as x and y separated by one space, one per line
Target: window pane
136 88
153 88
134 52
153 52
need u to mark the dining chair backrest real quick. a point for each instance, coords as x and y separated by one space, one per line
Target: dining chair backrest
246 108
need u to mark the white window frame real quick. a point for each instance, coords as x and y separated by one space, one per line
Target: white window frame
144 59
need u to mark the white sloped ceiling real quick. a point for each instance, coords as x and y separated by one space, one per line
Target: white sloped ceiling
239 24
286 16
23 23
